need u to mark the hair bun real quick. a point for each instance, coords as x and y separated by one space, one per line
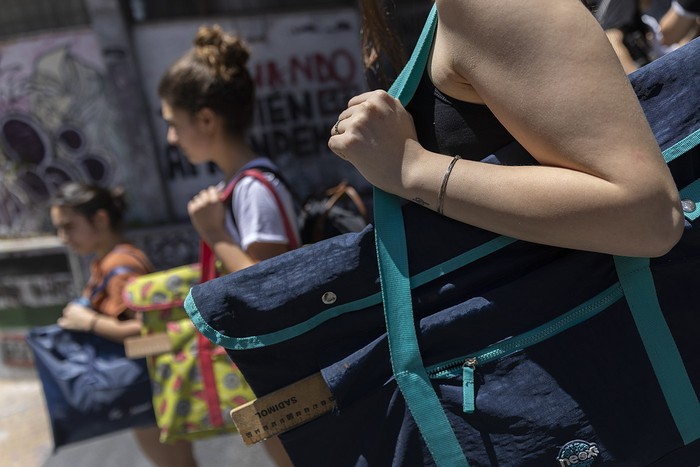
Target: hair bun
225 53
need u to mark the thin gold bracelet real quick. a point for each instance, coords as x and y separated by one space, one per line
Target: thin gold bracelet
443 187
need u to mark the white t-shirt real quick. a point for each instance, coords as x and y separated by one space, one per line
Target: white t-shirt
257 215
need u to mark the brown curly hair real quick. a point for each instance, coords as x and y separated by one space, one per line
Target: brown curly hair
87 199
213 74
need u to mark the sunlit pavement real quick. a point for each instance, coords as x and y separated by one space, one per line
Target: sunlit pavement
25 438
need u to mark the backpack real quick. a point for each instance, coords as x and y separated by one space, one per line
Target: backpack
335 211
327 213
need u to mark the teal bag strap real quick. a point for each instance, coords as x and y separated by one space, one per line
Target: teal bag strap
407 82
640 292
682 146
635 278
690 200
690 195
390 237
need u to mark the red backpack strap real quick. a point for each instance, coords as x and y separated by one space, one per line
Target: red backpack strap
260 176
205 347
207 259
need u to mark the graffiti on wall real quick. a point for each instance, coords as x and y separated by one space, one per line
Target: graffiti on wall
36 290
301 99
55 126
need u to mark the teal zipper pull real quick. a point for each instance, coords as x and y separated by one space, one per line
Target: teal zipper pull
468 385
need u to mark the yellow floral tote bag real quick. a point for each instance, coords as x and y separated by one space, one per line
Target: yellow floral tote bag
195 384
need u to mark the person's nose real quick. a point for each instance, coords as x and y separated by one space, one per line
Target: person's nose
62 236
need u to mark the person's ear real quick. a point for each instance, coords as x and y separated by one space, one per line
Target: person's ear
101 220
208 120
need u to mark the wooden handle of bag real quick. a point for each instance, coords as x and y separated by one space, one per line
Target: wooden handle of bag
283 409
147 346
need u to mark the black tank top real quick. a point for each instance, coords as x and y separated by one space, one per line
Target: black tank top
452 127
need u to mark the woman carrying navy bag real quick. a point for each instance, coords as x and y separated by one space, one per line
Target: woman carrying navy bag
544 75
88 220
524 296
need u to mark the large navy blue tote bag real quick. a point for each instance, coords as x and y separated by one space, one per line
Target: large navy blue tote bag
90 386
444 344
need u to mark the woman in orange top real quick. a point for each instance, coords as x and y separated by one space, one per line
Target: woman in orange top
88 220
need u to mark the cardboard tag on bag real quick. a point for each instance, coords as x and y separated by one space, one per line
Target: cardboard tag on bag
146 346
283 409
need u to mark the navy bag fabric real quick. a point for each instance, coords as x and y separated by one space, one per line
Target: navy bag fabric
589 390
91 388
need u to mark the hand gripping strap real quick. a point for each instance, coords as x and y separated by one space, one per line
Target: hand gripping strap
392 258
411 377
640 292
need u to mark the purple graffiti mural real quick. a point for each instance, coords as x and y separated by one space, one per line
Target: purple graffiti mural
30 147
55 126
23 140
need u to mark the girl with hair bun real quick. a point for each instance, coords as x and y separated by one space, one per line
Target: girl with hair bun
207 100
88 219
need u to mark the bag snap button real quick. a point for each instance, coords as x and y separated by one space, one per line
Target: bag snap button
329 298
688 205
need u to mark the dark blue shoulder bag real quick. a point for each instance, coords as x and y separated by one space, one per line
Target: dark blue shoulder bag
91 388
444 344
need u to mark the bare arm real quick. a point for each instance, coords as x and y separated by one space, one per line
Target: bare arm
80 318
675 27
234 258
547 71
615 37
